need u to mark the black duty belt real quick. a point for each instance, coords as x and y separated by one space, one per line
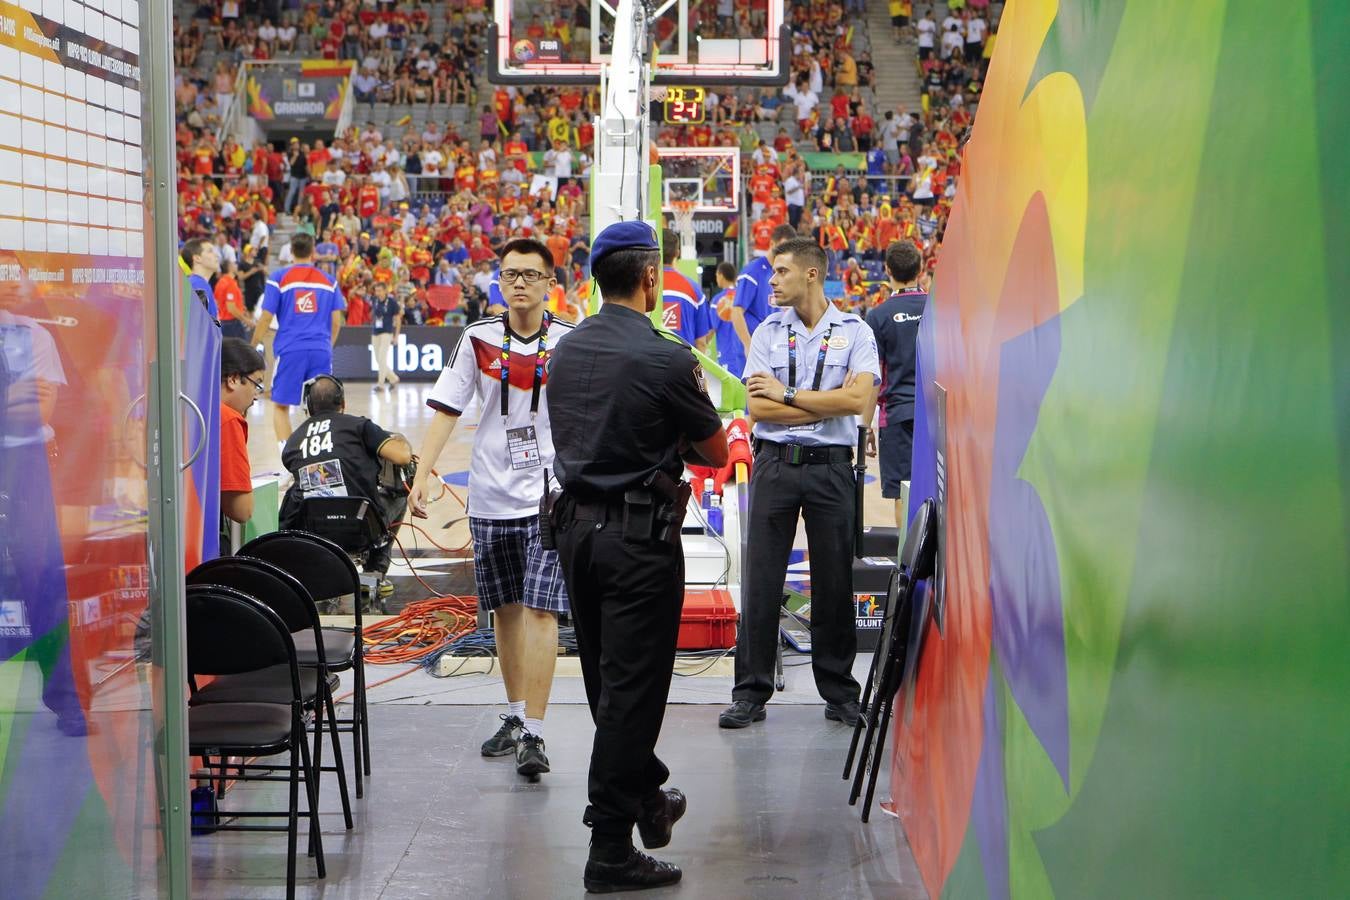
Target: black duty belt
800 455
598 511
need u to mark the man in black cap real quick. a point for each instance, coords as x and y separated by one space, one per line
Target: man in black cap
629 408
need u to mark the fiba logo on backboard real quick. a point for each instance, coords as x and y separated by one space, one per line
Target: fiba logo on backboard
523 50
306 302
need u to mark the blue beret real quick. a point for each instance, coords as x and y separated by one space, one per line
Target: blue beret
623 236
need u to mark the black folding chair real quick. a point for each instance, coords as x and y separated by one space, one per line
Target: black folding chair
327 572
231 634
287 597
355 524
917 560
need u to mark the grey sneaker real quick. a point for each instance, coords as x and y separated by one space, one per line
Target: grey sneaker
530 758
504 741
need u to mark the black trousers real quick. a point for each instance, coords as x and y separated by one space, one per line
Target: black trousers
823 494
626 600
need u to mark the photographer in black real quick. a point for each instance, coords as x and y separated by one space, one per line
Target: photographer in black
333 454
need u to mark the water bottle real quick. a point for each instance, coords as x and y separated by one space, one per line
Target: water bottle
706 500
715 515
204 813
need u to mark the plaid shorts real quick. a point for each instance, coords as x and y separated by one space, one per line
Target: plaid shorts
511 567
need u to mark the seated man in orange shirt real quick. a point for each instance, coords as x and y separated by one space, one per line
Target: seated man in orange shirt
241 382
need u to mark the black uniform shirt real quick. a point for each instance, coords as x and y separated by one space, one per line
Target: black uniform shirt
332 455
896 324
620 397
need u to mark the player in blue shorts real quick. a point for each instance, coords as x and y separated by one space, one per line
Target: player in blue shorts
308 308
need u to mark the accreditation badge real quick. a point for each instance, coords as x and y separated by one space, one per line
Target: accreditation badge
522 445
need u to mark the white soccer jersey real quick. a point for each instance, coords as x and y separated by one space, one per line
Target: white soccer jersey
506 468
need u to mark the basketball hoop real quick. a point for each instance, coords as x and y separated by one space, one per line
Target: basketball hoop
683 211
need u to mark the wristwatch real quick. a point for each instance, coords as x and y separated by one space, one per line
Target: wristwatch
789 395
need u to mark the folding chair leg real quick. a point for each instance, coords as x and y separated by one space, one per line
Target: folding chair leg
293 820
865 716
358 698
365 720
316 755
337 757
311 778
865 755
877 758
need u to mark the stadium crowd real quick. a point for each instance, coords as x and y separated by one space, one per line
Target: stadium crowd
423 207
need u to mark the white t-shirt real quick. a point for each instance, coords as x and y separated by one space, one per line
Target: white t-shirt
30 354
952 41
259 236
505 482
562 164
975 29
926 28
805 103
948 22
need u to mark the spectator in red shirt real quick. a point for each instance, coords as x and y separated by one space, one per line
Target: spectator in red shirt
241 372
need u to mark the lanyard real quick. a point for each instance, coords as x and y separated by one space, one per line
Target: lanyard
541 357
820 358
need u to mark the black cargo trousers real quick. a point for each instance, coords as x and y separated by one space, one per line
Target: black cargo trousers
626 600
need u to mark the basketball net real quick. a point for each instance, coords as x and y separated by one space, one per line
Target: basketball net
684 226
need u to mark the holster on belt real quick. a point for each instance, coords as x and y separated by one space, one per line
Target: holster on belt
655 511
548 511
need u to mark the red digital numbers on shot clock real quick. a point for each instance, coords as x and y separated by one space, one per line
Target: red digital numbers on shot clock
685 106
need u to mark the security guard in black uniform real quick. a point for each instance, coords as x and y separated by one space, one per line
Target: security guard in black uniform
628 409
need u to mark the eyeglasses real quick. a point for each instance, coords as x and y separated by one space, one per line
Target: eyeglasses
531 276
257 385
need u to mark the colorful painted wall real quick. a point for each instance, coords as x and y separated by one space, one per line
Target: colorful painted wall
1141 325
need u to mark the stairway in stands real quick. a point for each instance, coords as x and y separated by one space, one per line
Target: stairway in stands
898 82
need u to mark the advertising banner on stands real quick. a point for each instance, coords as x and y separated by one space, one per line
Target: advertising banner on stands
419 354
298 97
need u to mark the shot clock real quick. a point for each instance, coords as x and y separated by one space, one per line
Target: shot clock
685 105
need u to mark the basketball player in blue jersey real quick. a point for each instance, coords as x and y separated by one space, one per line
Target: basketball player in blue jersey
683 310
309 309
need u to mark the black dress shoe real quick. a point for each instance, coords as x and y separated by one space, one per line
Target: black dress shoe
740 714
656 829
638 872
843 712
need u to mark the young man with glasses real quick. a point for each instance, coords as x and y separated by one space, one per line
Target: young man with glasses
241 371
503 360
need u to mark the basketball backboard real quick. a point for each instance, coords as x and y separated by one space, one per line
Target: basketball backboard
695 41
705 176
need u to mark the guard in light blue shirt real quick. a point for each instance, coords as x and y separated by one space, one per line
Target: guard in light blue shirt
812 373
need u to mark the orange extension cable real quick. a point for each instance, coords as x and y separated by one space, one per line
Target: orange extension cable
424 626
